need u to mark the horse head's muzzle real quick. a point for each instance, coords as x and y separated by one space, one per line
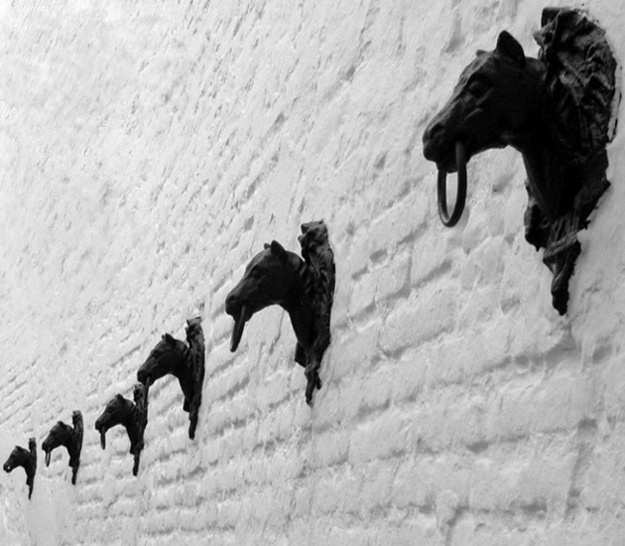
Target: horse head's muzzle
47 447
144 373
102 426
241 312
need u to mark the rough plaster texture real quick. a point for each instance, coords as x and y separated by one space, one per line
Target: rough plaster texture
149 149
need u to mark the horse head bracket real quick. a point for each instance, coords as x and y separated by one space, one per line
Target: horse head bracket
304 288
133 416
69 437
27 459
172 356
556 110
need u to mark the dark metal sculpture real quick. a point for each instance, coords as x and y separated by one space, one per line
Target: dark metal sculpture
556 110
172 356
132 416
26 458
303 288
69 437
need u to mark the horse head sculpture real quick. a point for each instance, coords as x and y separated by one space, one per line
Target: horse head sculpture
172 356
27 459
495 103
303 288
133 416
556 111
69 437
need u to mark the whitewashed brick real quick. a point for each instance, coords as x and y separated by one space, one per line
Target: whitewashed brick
148 152
418 320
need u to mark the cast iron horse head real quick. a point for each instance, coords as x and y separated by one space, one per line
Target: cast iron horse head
69 437
172 356
303 288
132 416
555 110
27 459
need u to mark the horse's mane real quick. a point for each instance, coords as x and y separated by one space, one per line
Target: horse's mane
195 341
580 80
319 258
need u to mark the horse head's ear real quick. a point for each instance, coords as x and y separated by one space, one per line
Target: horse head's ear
278 250
479 52
266 246
169 339
510 48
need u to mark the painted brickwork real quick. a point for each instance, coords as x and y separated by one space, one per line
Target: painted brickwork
149 149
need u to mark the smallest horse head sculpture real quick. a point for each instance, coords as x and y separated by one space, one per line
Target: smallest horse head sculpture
26 458
556 110
69 437
303 288
172 356
132 416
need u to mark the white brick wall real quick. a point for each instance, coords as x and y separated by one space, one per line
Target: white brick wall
148 150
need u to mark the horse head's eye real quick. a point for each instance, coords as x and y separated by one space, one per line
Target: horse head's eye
478 87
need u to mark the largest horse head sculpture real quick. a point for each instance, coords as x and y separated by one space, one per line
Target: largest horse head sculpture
172 356
69 437
555 110
133 416
303 288
27 459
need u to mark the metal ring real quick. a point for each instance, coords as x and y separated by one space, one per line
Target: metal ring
461 167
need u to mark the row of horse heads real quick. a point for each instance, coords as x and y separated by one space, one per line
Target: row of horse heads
303 286
169 356
61 434
502 98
